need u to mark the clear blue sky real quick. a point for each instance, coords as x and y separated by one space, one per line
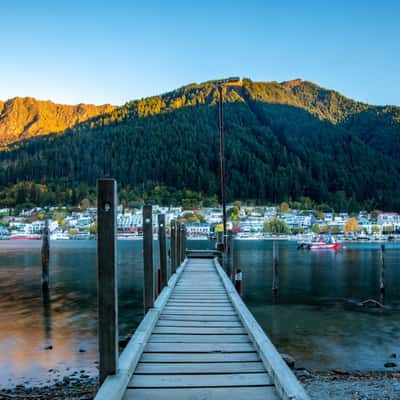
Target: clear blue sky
115 51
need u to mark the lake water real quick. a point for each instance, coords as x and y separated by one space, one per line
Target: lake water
314 317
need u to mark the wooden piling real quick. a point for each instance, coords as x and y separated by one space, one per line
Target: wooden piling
229 254
178 244
275 267
183 242
149 274
163 251
172 245
45 257
107 277
382 276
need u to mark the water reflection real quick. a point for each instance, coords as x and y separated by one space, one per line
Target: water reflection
47 315
312 316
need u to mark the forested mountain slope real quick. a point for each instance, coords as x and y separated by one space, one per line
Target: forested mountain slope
284 141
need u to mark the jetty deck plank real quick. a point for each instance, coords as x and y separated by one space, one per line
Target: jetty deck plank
199 348
202 343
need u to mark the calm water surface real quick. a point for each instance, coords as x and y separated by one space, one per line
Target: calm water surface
314 316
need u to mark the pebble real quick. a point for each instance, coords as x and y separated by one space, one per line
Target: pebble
48 347
390 365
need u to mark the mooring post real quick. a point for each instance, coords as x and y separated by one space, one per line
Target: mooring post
178 244
382 276
107 277
163 251
172 246
45 257
149 278
275 269
238 280
229 252
183 239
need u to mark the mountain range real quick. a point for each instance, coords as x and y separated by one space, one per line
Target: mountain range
287 141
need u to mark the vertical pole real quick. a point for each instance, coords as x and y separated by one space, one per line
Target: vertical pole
45 257
107 277
173 246
149 278
183 240
178 244
238 281
222 160
275 270
382 276
163 251
229 255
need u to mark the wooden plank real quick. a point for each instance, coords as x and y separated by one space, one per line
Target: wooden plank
198 347
188 338
237 393
206 380
199 330
199 368
107 277
183 307
168 311
185 323
199 317
200 357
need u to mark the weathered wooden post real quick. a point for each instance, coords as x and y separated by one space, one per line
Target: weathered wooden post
382 276
173 246
238 280
163 251
107 277
178 244
149 275
45 257
183 242
275 270
229 253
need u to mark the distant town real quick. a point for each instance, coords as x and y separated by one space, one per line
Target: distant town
246 222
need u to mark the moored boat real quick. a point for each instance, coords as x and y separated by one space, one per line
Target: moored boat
321 244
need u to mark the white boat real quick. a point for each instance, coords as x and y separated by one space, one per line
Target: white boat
59 236
248 236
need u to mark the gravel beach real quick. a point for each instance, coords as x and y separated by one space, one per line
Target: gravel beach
320 386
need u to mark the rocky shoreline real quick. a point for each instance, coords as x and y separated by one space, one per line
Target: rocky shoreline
332 385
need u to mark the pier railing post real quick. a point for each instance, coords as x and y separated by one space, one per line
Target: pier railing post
163 251
382 276
172 247
107 277
229 253
183 242
149 275
178 244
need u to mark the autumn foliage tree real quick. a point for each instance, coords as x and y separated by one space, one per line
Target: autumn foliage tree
351 225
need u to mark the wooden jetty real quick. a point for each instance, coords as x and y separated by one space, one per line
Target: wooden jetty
197 340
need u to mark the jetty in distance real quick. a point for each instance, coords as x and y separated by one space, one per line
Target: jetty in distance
197 340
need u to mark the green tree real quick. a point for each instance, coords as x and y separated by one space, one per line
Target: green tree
276 225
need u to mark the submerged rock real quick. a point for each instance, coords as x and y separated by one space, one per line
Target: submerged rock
390 364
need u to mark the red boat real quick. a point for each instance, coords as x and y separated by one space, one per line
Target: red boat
321 244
